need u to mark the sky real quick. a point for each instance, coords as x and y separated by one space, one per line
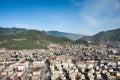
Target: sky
74 16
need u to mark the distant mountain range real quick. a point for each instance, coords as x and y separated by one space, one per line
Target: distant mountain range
105 36
67 35
19 38
10 31
15 38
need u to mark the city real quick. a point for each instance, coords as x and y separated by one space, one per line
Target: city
59 39
69 62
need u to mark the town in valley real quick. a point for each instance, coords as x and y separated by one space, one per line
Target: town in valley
69 62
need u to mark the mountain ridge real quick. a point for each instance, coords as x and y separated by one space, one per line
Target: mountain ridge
10 31
71 36
105 36
30 39
14 30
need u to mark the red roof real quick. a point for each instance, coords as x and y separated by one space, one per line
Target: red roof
22 62
36 70
19 70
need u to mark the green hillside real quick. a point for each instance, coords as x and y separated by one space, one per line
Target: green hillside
10 31
30 39
80 41
104 36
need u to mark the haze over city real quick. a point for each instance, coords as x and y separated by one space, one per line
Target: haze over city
75 16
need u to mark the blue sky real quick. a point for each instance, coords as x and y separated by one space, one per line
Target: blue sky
75 16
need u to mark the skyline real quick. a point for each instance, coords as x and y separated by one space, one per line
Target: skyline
72 16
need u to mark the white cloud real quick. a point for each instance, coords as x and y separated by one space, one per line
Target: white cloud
76 2
90 20
27 26
99 7
100 15
22 25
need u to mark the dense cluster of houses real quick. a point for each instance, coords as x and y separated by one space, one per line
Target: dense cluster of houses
70 62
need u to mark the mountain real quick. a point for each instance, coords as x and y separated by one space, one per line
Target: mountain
10 31
67 35
104 36
80 41
30 39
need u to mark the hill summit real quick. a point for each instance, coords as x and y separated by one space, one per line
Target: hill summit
29 39
105 36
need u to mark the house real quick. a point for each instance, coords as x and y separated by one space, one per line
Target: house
36 72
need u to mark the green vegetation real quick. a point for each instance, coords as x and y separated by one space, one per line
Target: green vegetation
30 39
15 38
111 35
10 31
80 41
